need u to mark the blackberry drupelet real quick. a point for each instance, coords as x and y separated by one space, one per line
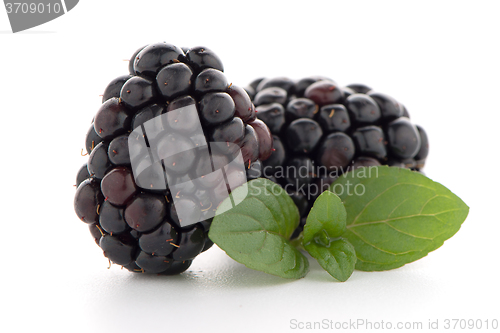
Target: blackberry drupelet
138 227
325 130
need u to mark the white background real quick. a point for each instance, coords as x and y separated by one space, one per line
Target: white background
441 59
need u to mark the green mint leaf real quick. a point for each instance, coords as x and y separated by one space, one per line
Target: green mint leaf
327 216
396 216
256 231
338 258
325 224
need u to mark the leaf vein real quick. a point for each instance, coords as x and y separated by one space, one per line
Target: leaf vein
383 192
425 204
402 202
402 217
381 250
274 220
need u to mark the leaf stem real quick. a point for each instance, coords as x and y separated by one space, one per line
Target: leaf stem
298 242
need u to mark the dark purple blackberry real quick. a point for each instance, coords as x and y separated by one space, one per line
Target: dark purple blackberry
114 87
303 84
333 118
112 119
152 58
232 131
324 92
99 163
275 162
175 119
120 249
300 108
210 80
354 127
118 186
424 148
145 212
111 219
389 107
190 244
178 267
405 112
403 138
270 95
131 62
153 264
250 89
255 83
250 145
243 106
161 241
216 108
280 82
264 137
273 115
303 135
92 139
200 57
362 109
82 174
359 88
118 151
335 152
208 243
174 80
370 141
88 198
137 92
96 232
348 92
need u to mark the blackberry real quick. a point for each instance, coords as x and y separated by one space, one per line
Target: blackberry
335 152
301 108
424 148
264 137
99 163
403 137
362 109
370 141
250 145
303 135
92 139
273 115
270 95
88 199
82 174
334 118
115 87
178 104
326 130
324 92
